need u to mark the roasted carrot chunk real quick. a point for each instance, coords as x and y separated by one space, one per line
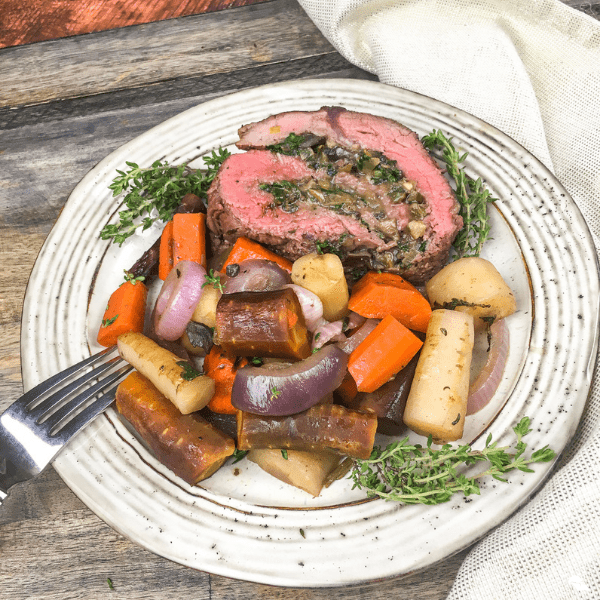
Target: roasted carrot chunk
243 249
221 366
183 238
187 444
377 295
165 253
125 312
384 352
189 241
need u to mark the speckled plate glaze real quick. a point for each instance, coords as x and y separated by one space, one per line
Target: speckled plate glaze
242 523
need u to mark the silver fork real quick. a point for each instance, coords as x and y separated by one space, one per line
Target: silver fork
40 423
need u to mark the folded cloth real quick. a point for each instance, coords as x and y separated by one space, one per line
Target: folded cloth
531 68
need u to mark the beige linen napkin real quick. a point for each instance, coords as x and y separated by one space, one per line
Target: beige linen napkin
531 68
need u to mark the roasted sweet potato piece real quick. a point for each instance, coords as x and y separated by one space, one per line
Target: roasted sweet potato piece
321 427
262 324
187 444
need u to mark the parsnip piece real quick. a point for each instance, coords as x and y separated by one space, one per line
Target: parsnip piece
323 274
437 402
472 285
307 471
206 309
161 368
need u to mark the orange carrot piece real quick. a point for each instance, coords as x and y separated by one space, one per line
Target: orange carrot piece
220 366
243 249
125 312
189 241
382 354
377 295
165 252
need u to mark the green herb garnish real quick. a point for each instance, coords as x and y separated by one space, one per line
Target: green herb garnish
188 371
416 475
130 277
213 279
110 583
238 455
155 192
275 393
284 454
472 196
107 322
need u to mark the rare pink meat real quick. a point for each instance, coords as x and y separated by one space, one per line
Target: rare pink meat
238 207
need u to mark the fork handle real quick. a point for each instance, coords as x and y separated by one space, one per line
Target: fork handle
10 473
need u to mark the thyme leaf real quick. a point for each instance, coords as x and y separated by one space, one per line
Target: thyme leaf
471 194
213 279
413 474
132 278
107 322
238 455
188 372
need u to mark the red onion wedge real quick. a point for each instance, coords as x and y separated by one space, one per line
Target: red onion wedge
254 275
177 299
328 332
351 343
269 390
487 381
353 321
312 307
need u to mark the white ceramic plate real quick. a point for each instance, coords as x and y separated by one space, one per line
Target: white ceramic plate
242 523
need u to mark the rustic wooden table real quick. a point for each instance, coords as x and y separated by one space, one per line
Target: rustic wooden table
64 105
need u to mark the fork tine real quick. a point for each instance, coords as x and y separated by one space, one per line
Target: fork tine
88 414
39 411
61 417
50 383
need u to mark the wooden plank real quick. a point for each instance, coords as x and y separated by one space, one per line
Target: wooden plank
325 65
41 20
131 57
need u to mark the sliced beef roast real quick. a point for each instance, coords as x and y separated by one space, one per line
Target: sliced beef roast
335 180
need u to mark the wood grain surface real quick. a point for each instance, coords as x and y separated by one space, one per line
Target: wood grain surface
65 105
41 20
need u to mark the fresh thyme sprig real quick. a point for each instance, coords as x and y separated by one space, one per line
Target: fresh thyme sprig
213 279
472 196
155 192
413 474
